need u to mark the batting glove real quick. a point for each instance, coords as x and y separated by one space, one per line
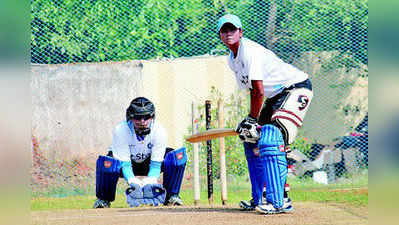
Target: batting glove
247 130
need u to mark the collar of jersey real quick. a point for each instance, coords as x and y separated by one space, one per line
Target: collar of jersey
238 51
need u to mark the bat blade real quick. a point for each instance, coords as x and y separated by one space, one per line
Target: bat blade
211 134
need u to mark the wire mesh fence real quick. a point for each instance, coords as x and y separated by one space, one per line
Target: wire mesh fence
326 39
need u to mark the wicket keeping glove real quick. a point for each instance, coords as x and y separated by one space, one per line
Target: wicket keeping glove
134 195
154 194
248 130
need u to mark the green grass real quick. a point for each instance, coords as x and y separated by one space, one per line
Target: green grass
356 197
350 190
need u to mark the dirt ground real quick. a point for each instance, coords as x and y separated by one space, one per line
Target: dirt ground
305 213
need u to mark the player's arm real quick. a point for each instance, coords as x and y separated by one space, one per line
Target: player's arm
154 173
128 174
156 162
157 156
255 70
247 129
257 95
121 151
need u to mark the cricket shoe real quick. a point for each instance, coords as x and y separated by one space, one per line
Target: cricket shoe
269 208
173 200
101 204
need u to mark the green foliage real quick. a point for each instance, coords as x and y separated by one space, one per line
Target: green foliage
99 30
66 31
303 145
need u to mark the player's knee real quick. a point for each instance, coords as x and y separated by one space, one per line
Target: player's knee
174 165
288 129
176 157
291 114
167 150
106 164
271 141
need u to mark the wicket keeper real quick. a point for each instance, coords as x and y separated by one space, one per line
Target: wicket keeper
139 148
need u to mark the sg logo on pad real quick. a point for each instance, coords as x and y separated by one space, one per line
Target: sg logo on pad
107 164
303 102
179 155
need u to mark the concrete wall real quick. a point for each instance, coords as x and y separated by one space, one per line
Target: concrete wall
76 106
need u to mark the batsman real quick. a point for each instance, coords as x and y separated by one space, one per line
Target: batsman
288 93
139 149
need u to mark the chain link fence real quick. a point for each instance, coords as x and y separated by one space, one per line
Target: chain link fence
326 39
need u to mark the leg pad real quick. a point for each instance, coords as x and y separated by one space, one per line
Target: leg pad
174 166
271 148
107 175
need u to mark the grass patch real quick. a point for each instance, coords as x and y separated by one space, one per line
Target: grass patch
356 197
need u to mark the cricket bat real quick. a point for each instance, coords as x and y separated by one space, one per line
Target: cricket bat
211 134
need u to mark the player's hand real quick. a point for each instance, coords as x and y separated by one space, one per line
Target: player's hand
134 195
150 180
247 130
154 194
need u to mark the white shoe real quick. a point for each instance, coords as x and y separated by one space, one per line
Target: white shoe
173 200
269 208
287 207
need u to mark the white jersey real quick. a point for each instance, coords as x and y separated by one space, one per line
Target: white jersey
127 145
255 62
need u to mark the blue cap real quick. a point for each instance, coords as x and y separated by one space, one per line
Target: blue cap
229 18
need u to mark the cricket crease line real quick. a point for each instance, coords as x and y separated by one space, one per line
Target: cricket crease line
121 215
